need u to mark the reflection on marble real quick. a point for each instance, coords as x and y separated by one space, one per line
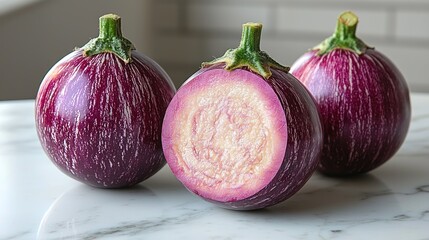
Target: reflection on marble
84 209
38 202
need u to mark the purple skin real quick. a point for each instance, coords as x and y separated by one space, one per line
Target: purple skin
99 119
364 106
303 144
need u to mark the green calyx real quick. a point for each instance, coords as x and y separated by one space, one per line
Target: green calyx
344 36
248 54
110 39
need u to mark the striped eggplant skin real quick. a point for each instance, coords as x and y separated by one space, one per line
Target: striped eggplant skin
99 119
303 143
364 107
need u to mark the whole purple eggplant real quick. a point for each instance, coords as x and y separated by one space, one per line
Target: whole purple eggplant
99 111
363 100
242 132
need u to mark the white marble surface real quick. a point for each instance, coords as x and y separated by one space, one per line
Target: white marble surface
37 201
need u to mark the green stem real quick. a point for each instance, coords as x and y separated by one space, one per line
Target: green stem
110 39
248 54
251 37
344 36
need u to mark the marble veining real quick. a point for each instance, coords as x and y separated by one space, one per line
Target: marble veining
39 202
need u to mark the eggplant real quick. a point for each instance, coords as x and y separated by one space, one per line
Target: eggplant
363 100
99 111
242 132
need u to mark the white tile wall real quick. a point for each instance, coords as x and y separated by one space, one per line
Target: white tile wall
413 63
322 20
301 19
38 33
180 34
166 15
193 31
178 48
413 24
209 16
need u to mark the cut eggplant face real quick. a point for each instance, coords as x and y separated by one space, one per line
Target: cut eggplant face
240 141
227 138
